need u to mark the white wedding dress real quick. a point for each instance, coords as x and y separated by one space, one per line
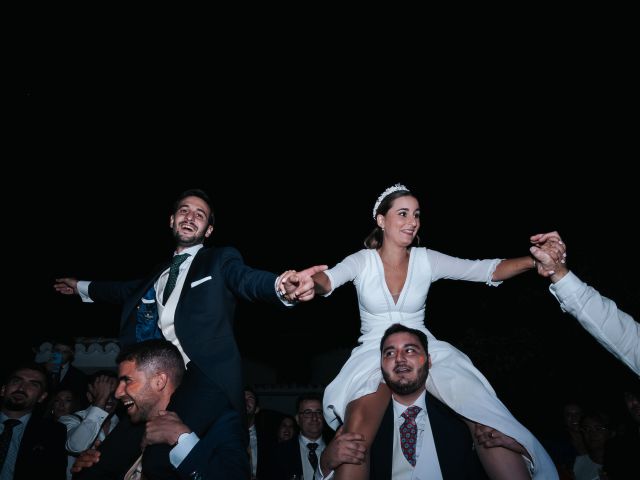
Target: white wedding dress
452 377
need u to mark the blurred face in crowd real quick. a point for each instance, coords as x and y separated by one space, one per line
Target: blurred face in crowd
63 403
65 351
286 429
24 389
632 402
250 402
595 432
572 416
310 419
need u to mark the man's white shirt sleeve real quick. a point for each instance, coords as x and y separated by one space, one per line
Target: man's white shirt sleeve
83 291
183 448
83 428
617 331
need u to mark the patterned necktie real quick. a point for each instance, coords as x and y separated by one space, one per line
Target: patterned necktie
173 276
409 434
313 458
5 438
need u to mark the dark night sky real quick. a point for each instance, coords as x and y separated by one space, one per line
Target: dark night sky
105 135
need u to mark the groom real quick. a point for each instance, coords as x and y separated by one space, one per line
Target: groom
189 301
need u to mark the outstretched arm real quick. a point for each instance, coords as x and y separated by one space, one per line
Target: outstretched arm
616 330
555 252
511 267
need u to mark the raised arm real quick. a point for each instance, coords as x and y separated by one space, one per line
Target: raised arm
617 331
555 252
511 267
322 284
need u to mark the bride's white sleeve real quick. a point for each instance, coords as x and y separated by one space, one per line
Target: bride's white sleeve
346 271
454 268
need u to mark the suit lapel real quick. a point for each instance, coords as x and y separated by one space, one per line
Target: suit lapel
196 263
382 448
446 434
450 438
28 442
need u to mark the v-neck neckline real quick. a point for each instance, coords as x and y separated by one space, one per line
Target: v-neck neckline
406 279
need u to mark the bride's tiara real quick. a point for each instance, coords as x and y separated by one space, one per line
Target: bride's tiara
395 188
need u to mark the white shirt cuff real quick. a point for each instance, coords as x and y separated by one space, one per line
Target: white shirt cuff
83 290
565 288
320 476
280 295
183 448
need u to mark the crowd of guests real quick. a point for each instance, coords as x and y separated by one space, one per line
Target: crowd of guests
62 422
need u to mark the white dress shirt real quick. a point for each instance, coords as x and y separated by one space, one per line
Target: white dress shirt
253 445
427 464
617 331
85 426
166 312
307 469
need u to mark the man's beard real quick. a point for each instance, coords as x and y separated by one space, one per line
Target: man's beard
404 387
196 239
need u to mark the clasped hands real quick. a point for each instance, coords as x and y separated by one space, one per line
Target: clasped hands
298 286
550 253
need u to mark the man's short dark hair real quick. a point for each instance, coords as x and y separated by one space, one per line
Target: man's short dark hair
307 396
38 367
156 354
195 192
399 328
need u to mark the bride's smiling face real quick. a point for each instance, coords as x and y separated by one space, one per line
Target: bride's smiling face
402 221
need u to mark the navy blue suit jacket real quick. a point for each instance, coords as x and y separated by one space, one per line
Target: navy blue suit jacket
221 453
204 315
42 452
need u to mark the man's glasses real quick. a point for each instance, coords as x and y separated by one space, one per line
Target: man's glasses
594 429
311 413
